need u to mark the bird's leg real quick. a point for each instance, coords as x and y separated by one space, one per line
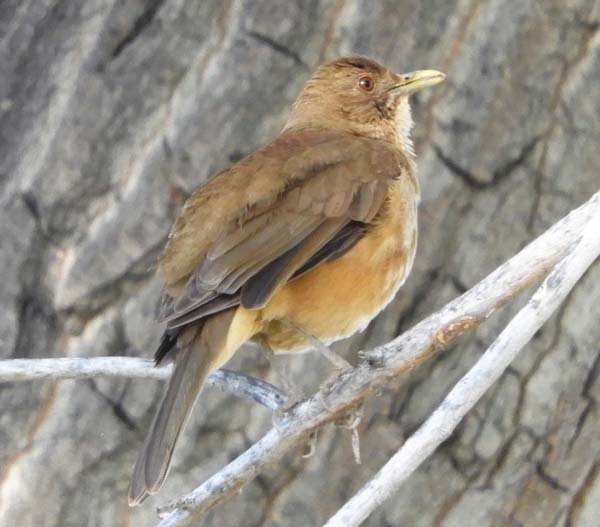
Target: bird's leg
293 391
338 362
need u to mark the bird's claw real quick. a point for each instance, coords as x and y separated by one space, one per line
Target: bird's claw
351 421
294 397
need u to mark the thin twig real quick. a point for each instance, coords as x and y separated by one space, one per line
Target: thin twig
427 338
463 397
17 370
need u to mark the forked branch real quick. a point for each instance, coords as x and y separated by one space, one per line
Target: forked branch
463 397
381 365
406 352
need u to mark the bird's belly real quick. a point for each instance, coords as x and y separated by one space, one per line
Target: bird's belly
339 298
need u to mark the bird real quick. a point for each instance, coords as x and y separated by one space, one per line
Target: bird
310 237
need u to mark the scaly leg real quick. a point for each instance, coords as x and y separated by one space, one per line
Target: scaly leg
293 391
336 360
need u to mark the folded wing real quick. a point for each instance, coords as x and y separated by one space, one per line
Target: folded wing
323 191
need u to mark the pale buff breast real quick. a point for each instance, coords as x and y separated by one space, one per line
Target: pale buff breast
341 297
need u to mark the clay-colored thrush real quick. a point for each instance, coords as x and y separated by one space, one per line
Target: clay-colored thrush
310 236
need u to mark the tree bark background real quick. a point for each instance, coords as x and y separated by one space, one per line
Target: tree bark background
112 112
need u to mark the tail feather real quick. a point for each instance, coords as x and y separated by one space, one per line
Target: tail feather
167 343
201 353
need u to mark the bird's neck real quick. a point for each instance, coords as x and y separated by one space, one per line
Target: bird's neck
396 129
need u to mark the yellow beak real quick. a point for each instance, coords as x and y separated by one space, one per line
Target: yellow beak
417 80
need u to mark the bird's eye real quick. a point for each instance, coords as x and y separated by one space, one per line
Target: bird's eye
366 83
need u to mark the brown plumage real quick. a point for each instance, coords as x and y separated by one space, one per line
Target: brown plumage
317 231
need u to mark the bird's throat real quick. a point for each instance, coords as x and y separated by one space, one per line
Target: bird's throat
403 122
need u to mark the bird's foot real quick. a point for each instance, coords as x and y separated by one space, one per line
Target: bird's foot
293 392
328 386
294 395
372 358
339 363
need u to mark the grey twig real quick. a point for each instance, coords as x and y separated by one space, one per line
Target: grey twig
17 370
475 383
573 239
427 338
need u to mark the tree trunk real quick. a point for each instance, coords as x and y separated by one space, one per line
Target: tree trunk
112 112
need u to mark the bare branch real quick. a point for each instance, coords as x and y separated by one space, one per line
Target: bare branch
17 370
440 425
427 338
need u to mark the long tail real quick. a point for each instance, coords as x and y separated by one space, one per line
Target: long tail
203 349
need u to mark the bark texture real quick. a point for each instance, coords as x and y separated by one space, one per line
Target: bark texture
112 112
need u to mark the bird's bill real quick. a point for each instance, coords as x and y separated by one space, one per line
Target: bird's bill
417 80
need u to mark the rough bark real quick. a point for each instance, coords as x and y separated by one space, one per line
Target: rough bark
111 112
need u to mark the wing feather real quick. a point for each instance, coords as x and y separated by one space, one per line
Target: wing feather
319 192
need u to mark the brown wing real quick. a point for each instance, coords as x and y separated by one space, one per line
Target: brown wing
330 186
248 188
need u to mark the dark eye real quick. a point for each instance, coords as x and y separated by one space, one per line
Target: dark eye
366 83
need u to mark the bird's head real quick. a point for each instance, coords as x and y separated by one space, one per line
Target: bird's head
358 94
